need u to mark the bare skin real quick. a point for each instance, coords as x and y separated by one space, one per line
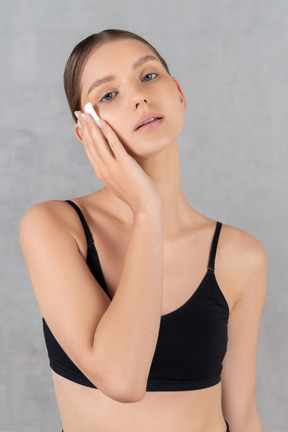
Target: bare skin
158 411
142 177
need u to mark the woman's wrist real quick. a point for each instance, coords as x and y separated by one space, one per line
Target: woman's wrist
151 210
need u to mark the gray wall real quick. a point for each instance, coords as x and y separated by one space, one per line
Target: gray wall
231 58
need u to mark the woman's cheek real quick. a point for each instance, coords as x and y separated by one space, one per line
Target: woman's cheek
122 133
111 113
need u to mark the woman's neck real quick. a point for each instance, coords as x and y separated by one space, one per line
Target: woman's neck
164 170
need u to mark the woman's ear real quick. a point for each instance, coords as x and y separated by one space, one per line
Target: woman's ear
77 130
182 97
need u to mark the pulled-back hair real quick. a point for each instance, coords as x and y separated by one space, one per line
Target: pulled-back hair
80 55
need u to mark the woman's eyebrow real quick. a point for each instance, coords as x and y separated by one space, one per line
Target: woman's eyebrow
143 60
108 78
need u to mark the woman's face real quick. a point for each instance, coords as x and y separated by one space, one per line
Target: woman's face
135 83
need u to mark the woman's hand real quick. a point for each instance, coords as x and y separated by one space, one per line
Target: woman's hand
114 166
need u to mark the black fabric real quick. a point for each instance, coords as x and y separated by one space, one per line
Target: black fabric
192 339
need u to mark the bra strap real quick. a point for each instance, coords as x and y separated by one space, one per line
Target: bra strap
211 266
92 254
87 231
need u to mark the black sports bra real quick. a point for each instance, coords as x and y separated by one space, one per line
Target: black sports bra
192 339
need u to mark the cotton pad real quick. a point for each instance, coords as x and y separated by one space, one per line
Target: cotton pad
90 110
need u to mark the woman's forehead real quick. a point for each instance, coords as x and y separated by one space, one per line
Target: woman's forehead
124 51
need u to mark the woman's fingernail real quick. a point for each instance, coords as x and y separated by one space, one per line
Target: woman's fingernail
77 115
84 117
79 124
101 123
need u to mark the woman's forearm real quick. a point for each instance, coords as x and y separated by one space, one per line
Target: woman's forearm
126 336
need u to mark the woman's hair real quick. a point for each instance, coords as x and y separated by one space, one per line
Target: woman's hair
80 55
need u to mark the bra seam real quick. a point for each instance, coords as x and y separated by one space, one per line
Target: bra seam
198 290
221 293
204 380
190 299
185 385
69 374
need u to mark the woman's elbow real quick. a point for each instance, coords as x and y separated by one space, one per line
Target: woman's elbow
121 393
117 388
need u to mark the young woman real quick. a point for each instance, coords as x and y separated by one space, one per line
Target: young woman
162 335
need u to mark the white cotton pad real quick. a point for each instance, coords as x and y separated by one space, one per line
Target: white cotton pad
90 110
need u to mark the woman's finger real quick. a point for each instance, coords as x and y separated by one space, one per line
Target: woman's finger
101 161
108 135
94 158
94 149
96 138
113 140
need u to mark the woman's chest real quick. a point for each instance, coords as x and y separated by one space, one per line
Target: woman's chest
185 261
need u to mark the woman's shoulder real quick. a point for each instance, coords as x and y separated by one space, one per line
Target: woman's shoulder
234 242
60 210
57 215
54 211
236 248
241 245
241 260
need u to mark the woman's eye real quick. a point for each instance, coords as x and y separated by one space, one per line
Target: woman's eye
150 76
107 97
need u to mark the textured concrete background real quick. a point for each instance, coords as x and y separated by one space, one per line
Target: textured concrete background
231 58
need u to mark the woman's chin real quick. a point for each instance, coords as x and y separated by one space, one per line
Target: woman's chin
149 148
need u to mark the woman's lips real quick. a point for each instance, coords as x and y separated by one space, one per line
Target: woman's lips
150 126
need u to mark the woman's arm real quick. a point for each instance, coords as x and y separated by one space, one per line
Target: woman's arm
126 335
239 366
111 343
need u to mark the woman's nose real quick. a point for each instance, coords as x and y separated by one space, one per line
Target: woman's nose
139 98
144 100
